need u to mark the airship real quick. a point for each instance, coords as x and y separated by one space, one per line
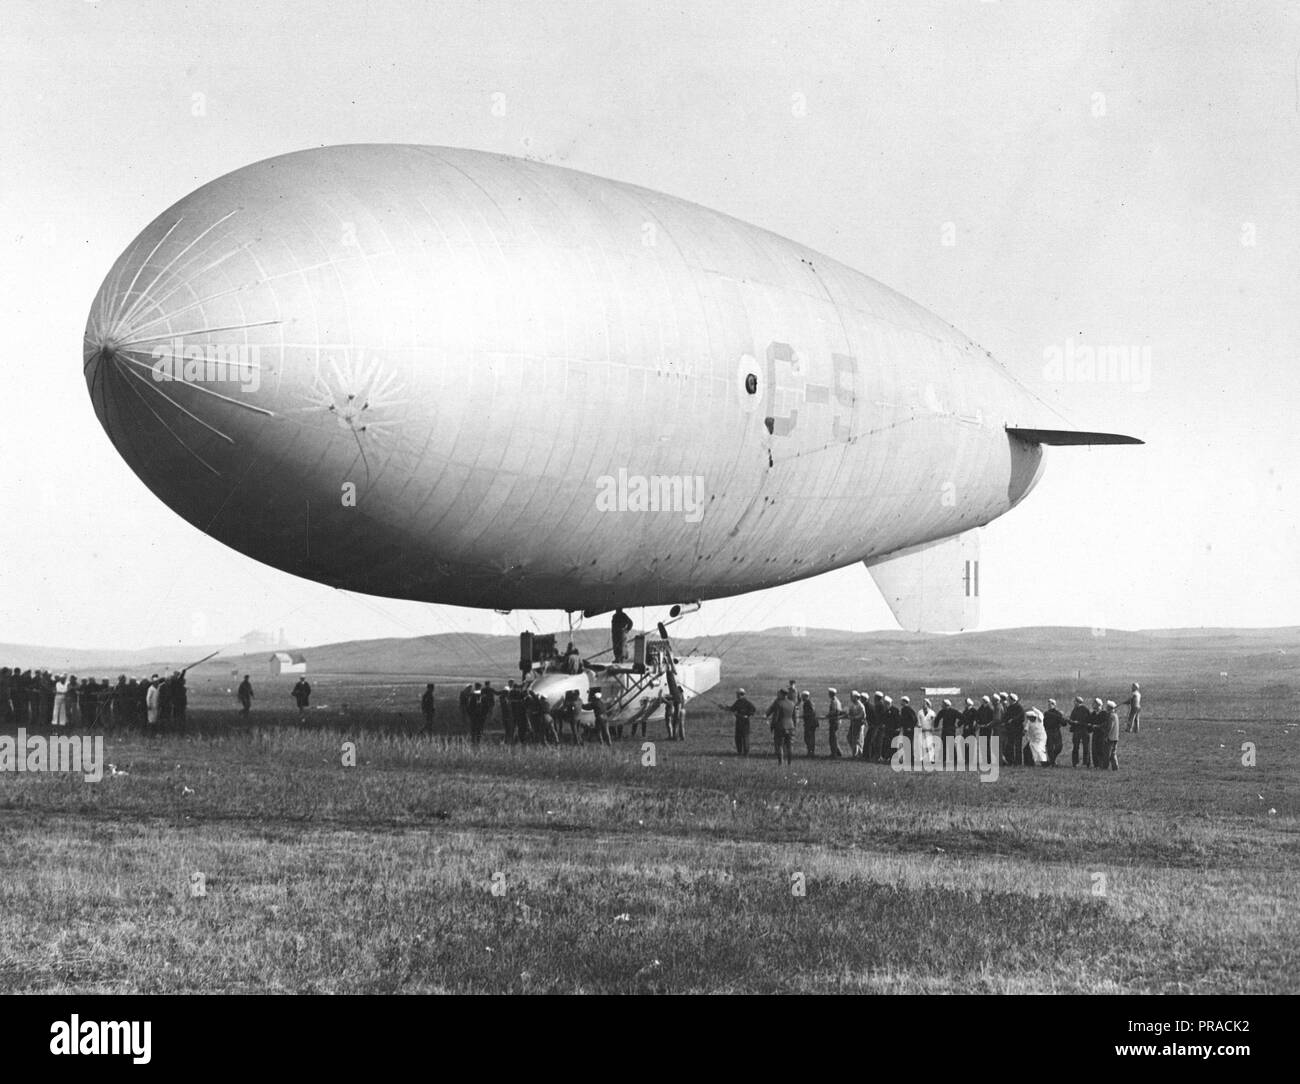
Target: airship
459 377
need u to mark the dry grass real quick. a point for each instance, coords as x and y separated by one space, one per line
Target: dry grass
621 878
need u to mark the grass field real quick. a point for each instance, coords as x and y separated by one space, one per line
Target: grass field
430 866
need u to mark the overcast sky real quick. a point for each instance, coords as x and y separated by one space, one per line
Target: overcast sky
1037 173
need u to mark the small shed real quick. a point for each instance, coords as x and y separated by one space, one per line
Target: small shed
284 663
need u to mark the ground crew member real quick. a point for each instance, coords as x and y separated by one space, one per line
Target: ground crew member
181 696
1100 726
996 728
569 711
1080 734
743 710
1053 722
642 716
596 705
893 723
546 721
907 720
857 723
948 718
876 727
516 698
677 714
466 694
1134 703
926 720
808 713
984 717
781 713
970 719
620 625
245 695
427 708
477 716
1013 724
164 700
1112 736
507 716
834 712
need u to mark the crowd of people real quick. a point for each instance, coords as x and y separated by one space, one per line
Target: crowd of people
869 725
527 717
872 721
39 698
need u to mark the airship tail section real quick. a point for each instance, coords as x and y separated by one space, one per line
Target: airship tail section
934 587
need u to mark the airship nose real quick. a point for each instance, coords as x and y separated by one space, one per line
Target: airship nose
172 342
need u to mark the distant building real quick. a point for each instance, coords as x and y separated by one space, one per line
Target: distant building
284 663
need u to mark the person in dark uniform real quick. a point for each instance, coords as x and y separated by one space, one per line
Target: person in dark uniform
568 712
518 715
641 716
677 714
620 625
34 699
782 714
876 726
87 704
18 696
164 685
180 697
245 695
1013 725
893 727
428 708
1053 723
1099 726
948 720
907 721
544 724
1080 734
477 714
463 699
301 694
743 710
596 705
808 716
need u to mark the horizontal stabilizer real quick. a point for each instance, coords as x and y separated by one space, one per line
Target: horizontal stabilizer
1070 436
934 587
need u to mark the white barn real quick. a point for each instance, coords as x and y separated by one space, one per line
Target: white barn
284 663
